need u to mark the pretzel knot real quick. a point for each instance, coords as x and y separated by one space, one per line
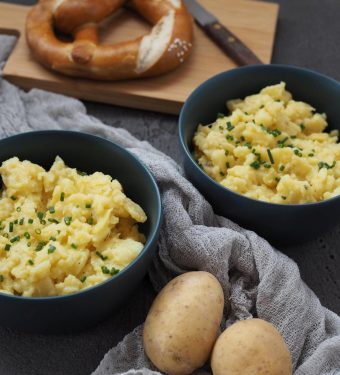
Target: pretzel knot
163 49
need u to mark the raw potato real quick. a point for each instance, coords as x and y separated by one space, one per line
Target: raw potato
183 322
251 347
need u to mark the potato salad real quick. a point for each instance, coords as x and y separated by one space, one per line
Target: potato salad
62 230
271 148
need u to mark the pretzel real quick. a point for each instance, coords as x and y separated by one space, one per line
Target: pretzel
163 49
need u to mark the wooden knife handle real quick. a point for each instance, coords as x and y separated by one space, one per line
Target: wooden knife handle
231 44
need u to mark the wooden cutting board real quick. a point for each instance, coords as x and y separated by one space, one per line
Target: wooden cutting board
254 22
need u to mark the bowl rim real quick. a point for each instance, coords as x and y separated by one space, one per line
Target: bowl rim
204 175
151 238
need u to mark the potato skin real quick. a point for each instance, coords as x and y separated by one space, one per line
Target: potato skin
251 347
183 322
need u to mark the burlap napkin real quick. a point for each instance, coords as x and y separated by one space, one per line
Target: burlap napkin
257 280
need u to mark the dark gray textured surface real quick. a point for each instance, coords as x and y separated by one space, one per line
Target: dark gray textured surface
307 35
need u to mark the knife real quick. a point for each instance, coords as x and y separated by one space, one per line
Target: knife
223 37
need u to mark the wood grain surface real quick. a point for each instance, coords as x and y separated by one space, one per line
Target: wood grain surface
254 22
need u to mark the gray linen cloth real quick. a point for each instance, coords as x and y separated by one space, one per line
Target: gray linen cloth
257 280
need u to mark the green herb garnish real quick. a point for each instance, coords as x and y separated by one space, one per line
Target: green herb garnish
83 278
38 231
51 249
220 115
15 239
51 210
8 247
267 165
302 126
40 215
62 196
114 271
89 221
52 238
282 167
230 137
27 235
230 126
270 156
283 197
105 270
11 226
14 198
255 164
40 245
18 209
21 222
30 221
88 205
30 262
68 220
101 256
323 164
73 245
52 220
1 278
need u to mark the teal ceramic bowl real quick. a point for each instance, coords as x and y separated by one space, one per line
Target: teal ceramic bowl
90 154
280 224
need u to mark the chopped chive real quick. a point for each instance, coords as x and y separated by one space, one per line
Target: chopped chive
293 136
88 205
230 126
52 220
282 142
38 231
30 262
14 198
30 221
51 210
283 197
246 113
270 156
298 153
267 165
323 164
220 115
22 220
282 167
14 239
101 256
27 235
81 173
73 245
242 139
227 164
221 127
83 278
28 244
68 220
40 215
58 231
62 196
311 155
11 225
302 126
248 144
43 222
18 209
15 221
7 247
52 238
230 137
105 270
1 278
255 164
51 249
6 235
90 221
278 100
40 245
261 106
114 271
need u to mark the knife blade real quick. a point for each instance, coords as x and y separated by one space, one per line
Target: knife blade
220 34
